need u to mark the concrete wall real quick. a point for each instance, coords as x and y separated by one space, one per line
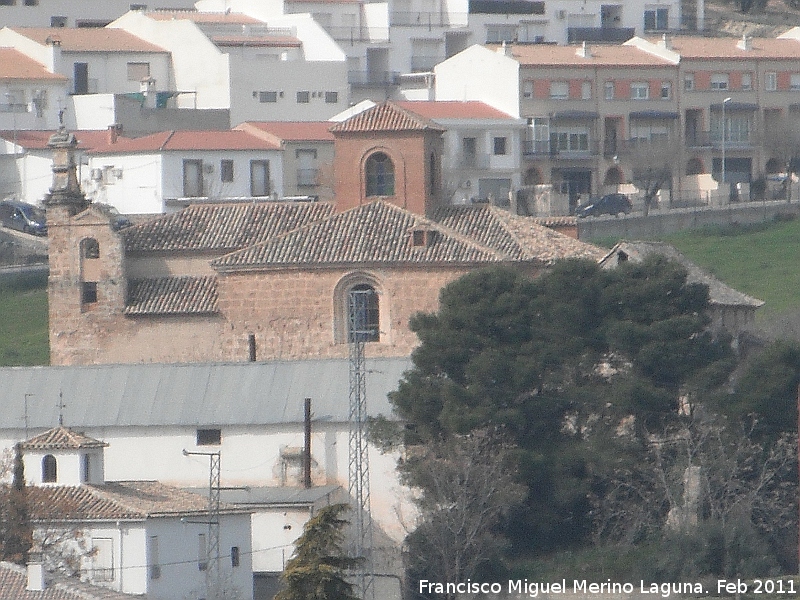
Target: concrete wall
178 554
634 227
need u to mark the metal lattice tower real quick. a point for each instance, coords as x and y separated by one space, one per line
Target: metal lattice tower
213 565
358 333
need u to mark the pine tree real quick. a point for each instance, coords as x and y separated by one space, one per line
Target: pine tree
18 533
317 571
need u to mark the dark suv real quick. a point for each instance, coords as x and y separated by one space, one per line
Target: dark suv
22 217
610 204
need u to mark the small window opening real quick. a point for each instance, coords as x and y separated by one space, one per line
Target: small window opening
209 437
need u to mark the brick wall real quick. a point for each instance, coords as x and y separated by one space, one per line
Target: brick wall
296 314
409 153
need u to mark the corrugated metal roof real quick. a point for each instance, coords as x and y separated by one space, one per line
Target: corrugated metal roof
194 394
266 495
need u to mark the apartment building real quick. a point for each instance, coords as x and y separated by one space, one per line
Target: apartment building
95 60
69 13
737 95
591 108
286 69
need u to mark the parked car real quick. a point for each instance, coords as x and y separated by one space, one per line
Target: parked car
610 204
22 217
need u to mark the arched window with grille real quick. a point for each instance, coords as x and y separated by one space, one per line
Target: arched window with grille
49 469
90 248
380 175
363 312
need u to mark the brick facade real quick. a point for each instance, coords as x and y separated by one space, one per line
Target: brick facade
410 153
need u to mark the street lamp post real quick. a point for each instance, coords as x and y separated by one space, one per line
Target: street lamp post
724 181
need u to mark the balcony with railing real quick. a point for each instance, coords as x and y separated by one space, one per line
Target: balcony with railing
427 19
424 64
545 148
713 139
13 108
469 160
354 33
365 79
599 34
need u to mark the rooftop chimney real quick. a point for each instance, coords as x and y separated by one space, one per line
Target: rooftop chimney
113 133
666 42
504 49
746 43
35 576
584 51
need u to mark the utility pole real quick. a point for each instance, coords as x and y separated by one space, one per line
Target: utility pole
213 565
358 332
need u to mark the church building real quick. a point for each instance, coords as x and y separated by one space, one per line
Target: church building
272 280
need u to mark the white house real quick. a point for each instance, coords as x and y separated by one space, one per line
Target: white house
26 161
252 413
482 157
464 77
136 537
286 69
307 154
166 171
30 94
96 60
68 13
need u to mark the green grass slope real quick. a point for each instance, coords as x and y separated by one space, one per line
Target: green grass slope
23 320
762 261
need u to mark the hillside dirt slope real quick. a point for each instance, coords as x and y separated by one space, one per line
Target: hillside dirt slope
723 19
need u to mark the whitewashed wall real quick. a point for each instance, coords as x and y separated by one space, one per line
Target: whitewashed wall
464 77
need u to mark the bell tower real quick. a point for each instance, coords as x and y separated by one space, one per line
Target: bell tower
65 198
87 285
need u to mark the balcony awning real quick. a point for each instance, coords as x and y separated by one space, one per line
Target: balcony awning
653 114
575 114
738 106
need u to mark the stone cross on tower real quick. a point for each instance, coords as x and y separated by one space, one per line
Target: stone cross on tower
65 191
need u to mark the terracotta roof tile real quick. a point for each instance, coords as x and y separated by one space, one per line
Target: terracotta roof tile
378 232
16 65
540 55
133 500
301 131
165 141
38 139
387 116
89 39
14 583
519 238
203 17
726 48
172 296
446 109
222 227
62 438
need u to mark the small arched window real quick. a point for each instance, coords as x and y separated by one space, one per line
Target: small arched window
363 314
380 175
49 469
90 248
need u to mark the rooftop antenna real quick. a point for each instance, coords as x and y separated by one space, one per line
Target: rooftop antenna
359 332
